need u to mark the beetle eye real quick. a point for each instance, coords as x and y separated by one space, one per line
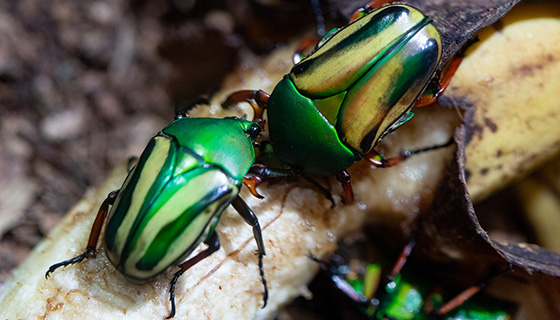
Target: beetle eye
254 131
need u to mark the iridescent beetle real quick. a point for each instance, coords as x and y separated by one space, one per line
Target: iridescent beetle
361 293
173 198
356 87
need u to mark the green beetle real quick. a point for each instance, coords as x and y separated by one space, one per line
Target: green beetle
172 200
363 289
358 85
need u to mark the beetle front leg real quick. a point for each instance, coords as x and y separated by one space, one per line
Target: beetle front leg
257 99
213 243
93 236
247 214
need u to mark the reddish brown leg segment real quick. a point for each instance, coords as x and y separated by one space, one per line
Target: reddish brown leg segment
93 236
258 100
405 253
252 182
427 99
459 299
213 243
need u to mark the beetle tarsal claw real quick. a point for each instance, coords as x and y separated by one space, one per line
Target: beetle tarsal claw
87 254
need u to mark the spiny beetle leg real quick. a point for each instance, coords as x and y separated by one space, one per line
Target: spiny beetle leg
247 214
370 6
344 178
257 99
377 160
93 236
213 243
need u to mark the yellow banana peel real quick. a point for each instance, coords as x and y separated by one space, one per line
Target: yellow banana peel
512 79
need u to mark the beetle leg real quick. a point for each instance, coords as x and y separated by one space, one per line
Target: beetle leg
323 190
370 6
93 236
251 183
377 160
247 214
262 172
466 294
430 97
213 243
344 178
257 99
403 256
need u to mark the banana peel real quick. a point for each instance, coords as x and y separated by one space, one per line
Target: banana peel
539 195
295 218
510 79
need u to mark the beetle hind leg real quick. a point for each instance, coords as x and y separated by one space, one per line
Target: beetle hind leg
93 236
326 192
378 161
213 243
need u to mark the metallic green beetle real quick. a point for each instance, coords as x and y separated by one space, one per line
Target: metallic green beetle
411 295
172 200
358 85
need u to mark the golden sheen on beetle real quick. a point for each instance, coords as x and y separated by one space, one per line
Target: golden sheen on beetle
356 87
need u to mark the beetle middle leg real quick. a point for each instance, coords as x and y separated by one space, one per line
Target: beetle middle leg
247 214
262 172
93 236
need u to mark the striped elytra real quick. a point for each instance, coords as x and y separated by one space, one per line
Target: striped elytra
356 87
